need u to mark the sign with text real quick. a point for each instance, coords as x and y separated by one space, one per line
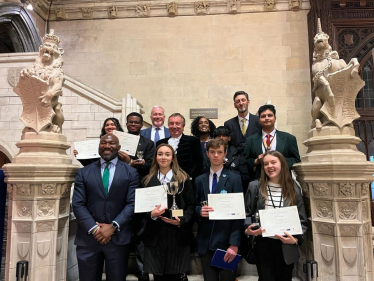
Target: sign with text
211 113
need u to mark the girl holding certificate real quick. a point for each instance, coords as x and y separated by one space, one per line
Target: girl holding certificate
167 240
275 256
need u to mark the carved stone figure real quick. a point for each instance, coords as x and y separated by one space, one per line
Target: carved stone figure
335 85
269 5
202 7
143 10
113 12
60 13
87 13
40 86
172 8
233 6
294 4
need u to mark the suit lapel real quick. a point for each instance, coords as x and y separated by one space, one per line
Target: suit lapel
237 129
167 132
258 144
116 177
222 180
206 186
251 124
280 141
99 180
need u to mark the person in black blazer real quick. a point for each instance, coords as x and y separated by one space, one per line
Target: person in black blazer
269 139
187 148
235 124
218 234
103 203
167 241
275 257
157 118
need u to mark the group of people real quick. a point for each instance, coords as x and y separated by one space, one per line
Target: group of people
246 155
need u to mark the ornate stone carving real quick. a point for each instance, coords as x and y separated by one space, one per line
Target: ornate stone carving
327 252
321 189
43 247
324 209
172 8
349 254
294 4
23 226
348 230
143 10
233 6
44 226
45 208
62 222
87 13
60 13
24 209
202 7
305 188
347 211
269 5
13 75
112 12
40 86
347 189
48 189
23 189
23 249
364 210
335 85
365 189
365 228
63 206
325 228
65 189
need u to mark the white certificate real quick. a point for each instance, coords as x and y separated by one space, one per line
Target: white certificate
87 149
128 142
147 198
280 220
227 206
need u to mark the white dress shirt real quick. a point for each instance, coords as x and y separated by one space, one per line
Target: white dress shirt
211 178
161 132
246 121
273 145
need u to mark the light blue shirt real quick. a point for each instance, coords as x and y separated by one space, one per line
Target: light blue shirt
111 167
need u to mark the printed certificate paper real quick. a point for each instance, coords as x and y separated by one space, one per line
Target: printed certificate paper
146 199
87 149
128 142
280 220
227 206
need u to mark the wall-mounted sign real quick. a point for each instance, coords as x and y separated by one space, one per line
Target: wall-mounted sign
211 113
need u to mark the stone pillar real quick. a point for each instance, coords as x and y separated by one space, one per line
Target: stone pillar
336 179
39 181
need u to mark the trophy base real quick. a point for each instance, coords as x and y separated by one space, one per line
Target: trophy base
176 213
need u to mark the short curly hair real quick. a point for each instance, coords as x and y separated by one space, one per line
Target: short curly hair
195 127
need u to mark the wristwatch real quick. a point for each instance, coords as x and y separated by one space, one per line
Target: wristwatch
114 225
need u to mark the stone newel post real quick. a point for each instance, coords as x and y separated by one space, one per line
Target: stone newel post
40 177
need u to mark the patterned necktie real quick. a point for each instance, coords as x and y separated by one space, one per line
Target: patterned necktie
244 126
268 140
106 177
214 183
157 136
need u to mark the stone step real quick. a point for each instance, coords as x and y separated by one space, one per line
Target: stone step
132 277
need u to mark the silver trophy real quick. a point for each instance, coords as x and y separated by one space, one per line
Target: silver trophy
140 154
172 188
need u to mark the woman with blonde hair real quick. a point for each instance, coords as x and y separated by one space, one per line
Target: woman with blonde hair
275 256
167 240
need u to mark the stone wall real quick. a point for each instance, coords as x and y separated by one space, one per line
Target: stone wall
200 61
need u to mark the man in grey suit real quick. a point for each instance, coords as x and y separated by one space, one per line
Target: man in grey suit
158 131
103 203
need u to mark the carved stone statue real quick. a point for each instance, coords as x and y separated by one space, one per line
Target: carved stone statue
335 85
40 86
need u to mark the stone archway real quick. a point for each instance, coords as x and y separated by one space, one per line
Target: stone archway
18 29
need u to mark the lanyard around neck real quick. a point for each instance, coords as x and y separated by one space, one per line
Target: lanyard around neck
266 146
272 201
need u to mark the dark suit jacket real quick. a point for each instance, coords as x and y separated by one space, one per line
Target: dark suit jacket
147 132
224 232
290 252
145 145
286 144
189 155
91 205
237 138
236 163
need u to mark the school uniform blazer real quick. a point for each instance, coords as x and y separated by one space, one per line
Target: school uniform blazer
91 205
145 145
290 252
286 144
189 155
237 138
147 132
224 233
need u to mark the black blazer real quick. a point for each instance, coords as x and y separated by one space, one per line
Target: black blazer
236 163
147 146
237 138
189 155
91 205
224 232
290 252
286 144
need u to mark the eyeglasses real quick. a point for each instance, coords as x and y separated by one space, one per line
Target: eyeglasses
133 122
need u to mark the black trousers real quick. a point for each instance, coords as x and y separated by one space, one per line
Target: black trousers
212 273
270 260
91 262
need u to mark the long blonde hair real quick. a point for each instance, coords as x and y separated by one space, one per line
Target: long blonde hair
285 180
178 174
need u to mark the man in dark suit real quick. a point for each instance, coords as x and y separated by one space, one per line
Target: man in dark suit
217 234
103 203
243 125
187 148
269 139
158 130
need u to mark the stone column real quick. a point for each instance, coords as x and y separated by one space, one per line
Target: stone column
336 179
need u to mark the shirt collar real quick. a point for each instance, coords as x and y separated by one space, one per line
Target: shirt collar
272 133
113 161
218 172
168 175
161 128
178 138
246 118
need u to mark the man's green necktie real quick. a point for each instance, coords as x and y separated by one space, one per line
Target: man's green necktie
106 177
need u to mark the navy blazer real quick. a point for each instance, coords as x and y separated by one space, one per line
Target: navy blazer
91 205
237 138
224 232
147 132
